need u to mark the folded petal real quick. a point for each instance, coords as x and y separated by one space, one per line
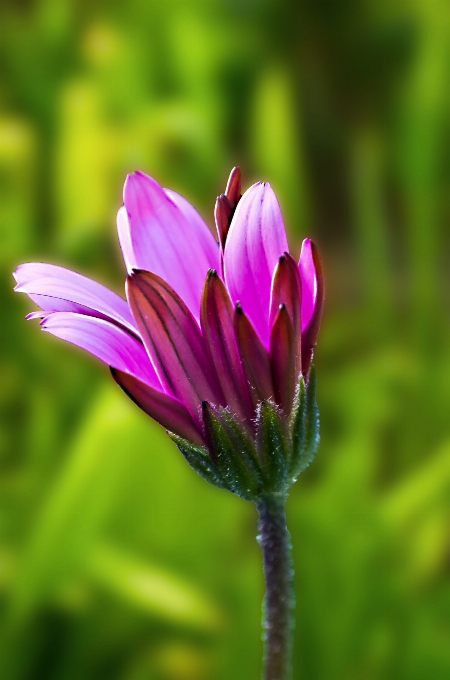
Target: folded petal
167 236
255 242
222 218
309 281
254 356
163 408
217 326
226 205
49 304
311 270
282 359
233 190
106 341
173 341
287 290
56 289
124 234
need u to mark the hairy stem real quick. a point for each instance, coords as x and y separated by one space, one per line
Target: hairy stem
278 617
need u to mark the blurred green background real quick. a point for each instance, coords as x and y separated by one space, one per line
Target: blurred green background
116 560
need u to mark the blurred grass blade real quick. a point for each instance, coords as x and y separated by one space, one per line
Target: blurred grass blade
77 504
152 589
276 144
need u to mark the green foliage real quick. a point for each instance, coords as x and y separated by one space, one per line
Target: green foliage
116 560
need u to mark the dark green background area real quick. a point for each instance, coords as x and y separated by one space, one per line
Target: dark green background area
116 561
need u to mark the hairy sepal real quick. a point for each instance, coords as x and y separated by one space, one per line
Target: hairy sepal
304 426
274 447
232 451
200 461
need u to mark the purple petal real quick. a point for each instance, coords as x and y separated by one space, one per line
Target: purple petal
124 234
166 236
287 291
226 205
255 242
222 218
254 356
163 408
106 341
282 360
233 190
57 289
173 341
51 304
311 329
309 281
217 325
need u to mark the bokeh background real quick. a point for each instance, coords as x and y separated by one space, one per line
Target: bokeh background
116 560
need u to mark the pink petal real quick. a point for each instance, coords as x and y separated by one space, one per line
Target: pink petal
255 242
254 356
282 359
312 268
124 234
50 304
226 205
57 289
217 325
233 190
106 341
287 290
309 281
163 408
173 341
166 236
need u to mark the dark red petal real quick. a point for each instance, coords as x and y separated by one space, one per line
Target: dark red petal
222 216
310 333
216 317
283 359
287 290
254 356
173 341
233 190
163 408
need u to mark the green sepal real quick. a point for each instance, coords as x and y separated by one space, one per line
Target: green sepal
304 426
243 443
274 447
200 461
232 452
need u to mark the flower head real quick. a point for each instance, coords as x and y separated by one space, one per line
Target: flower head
214 342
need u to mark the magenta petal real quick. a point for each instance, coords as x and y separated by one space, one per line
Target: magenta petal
174 341
71 292
255 242
254 356
311 328
283 359
163 408
309 281
287 291
168 237
233 190
124 234
217 325
51 304
106 341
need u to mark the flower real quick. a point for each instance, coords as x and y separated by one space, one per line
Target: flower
210 337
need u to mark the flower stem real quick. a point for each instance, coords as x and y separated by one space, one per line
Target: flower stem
278 605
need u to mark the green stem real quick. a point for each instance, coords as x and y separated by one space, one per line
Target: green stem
278 622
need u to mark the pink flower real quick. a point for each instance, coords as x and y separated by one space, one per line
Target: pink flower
232 325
